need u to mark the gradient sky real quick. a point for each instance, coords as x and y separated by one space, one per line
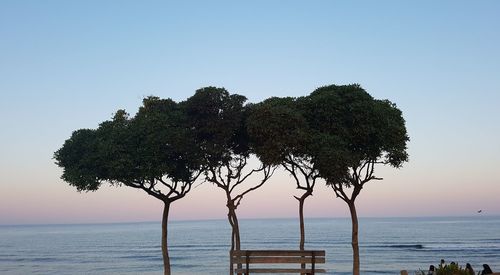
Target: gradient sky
66 65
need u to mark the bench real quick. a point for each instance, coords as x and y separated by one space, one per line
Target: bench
276 261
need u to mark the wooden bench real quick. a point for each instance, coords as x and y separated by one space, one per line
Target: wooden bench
274 261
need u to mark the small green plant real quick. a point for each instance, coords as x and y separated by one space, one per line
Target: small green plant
444 269
451 269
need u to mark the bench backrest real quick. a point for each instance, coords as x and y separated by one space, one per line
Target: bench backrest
245 258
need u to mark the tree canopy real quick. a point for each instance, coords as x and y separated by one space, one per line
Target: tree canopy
278 130
145 152
280 135
352 128
218 121
152 151
353 132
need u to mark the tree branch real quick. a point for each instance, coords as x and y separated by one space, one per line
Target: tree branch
140 185
214 179
291 170
339 191
268 172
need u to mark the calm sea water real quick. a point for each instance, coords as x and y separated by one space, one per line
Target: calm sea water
201 247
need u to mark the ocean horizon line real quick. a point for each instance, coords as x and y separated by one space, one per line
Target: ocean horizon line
249 219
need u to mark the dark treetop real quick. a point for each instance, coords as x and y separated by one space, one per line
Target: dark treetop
353 130
152 151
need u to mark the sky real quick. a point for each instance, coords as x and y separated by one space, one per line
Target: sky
67 65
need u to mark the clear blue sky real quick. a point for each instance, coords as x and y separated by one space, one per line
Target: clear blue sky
66 65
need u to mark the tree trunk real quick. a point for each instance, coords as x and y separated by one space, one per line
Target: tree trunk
301 219
164 240
236 225
302 229
230 219
302 200
355 246
235 233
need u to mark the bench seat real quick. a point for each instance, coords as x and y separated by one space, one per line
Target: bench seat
278 270
277 261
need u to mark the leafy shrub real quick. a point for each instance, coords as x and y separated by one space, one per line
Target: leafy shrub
452 269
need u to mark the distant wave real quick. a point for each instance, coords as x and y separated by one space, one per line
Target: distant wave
197 246
403 246
142 257
376 272
415 246
34 259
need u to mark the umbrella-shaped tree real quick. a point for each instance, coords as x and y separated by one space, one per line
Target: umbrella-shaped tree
353 134
217 119
152 151
280 135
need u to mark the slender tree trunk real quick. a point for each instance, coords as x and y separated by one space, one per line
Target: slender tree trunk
235 233
302 200
230 219
164 239
236 225
355 246
302 228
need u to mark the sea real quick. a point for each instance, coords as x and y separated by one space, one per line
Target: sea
387 245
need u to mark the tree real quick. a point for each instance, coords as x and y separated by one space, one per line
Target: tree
281 136
151 151
354 133
218 121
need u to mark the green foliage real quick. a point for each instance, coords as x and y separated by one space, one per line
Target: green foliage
163 142
216 119
350 128
451 269
278 130
154 145
79 156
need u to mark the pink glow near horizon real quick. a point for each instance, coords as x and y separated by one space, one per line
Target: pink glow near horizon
399 194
